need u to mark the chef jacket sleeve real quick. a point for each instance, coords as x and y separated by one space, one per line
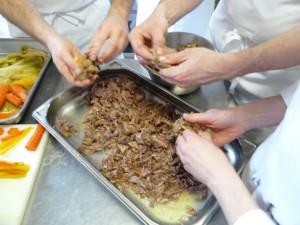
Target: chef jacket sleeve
257 217
287 94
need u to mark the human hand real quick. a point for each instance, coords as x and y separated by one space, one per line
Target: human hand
227 124
113 29
196 66
63 54
149 34
199 156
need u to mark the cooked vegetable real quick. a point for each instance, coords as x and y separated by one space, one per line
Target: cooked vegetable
27 62
12 133
1 131
34 141
13 170
9 144
4 89
19 91
26 82
12 98
18 70
5 115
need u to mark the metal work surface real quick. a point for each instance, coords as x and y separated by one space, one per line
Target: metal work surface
10 45
65 192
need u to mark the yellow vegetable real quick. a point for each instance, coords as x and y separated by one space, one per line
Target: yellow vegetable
13 170
9 144
26 82
20 65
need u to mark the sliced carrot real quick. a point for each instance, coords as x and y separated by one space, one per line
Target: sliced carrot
5 115
19 91
4 89
11 143
1 131
13 131
12 98
35 139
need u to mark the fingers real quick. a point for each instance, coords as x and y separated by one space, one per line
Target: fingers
97 42
138 41
117 42
203 118
223 137
173 58
159 42
70 62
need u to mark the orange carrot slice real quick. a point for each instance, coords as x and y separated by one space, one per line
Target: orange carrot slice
5 115
19 91
14 99
35 139
1 131
13 131
4 89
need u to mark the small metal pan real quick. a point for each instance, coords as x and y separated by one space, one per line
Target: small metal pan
9 45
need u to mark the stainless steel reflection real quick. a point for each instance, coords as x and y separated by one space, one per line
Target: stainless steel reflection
9 45
71 106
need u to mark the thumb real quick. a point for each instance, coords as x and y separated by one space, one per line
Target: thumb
206 135
173 58
203 118
221 138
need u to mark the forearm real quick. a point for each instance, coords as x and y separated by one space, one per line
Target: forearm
278 53
23 14
173 10
120 8
262 113
232 195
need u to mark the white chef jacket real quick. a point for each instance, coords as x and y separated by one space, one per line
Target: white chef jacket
273 173
237 25
186 23
74 19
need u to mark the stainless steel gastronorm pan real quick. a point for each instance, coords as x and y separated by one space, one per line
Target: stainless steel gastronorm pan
70 105
9 45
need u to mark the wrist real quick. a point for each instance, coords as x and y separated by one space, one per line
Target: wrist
160 16
221 176
49 38
241 63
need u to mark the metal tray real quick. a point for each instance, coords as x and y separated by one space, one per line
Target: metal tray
9 45
70 105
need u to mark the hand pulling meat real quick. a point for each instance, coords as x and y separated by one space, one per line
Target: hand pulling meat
138 135
87 67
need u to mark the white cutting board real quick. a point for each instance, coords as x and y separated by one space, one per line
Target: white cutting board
15 193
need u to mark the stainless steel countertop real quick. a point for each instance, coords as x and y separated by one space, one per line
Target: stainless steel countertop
65 193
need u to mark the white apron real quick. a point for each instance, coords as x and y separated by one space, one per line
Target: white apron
273 173
74 19
237 25
187 23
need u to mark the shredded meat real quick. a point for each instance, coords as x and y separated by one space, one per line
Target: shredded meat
87 67
64 127
138 135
